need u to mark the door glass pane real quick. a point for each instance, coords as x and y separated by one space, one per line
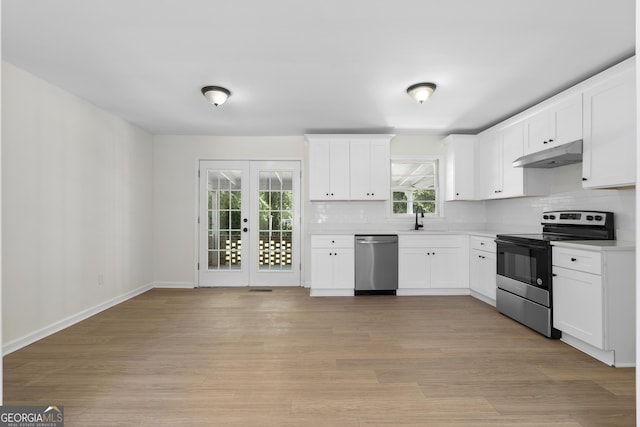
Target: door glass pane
224 219
275 220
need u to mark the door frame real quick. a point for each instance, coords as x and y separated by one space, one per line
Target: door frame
196 209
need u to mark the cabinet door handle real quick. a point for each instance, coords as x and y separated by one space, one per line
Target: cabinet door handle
550 140
480 256
573 259
544 142
585 179
481 243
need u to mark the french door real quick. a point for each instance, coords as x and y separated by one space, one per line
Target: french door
249 223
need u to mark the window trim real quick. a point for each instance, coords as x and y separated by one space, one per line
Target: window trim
439 188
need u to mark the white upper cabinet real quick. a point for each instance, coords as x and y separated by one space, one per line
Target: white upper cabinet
496 177
609 144
329 169
349 167
555 125
513 179
370 164
459 167
489 165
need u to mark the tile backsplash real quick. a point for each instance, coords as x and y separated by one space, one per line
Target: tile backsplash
519 215
566 194
525 212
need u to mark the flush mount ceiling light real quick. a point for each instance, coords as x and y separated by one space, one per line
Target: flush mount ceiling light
215 94
420 92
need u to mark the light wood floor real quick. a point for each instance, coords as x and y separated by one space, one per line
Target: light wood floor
217 357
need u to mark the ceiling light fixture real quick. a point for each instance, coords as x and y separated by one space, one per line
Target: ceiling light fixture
215 94
420 92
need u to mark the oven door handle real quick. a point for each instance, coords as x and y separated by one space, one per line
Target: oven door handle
522 245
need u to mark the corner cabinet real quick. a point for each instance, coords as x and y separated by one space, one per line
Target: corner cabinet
495 174
433 265
594 300
609 144
459 167
332 265
349 167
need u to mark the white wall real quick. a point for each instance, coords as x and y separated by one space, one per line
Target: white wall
174 199
76 198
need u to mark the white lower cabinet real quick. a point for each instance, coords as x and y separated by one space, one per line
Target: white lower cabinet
594 300
577 303
433 265
482 269
332 265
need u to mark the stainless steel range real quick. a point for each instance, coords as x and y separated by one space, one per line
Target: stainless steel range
524 278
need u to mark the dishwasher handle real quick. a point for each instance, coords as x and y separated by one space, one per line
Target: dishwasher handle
377 240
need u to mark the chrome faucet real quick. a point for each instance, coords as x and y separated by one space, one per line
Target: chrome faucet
419 225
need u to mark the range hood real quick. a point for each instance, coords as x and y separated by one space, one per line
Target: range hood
561 155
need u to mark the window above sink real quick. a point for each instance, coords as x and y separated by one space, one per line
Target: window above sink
415 183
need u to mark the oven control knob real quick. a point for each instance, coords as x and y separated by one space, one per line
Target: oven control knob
598 217
552 217
545 216
539 281
589 217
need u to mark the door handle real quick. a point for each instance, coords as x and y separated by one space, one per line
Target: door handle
245 229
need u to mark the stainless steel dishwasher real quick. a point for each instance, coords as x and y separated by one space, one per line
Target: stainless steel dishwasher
376 264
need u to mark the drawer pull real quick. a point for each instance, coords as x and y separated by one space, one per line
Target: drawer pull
574 259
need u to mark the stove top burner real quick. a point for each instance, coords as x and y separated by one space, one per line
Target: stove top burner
545 237
569 225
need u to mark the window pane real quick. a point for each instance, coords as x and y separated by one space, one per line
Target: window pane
399 207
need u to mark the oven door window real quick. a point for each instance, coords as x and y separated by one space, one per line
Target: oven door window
527 264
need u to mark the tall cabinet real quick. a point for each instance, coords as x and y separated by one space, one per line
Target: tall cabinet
329 169
459 167
609 144
370 168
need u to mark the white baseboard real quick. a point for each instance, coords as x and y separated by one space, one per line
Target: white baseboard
32 337
432 292
610 357
173 285
331 292
483 298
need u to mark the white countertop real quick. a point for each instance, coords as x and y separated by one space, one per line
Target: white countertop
408 232
597 245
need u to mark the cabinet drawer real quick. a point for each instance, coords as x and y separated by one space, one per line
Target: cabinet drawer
332 241
575 259
429 241
483 244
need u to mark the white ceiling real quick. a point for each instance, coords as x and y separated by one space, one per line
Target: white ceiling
315 66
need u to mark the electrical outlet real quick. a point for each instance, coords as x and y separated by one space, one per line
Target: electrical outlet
100 279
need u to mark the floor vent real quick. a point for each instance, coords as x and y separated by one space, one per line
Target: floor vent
260 290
